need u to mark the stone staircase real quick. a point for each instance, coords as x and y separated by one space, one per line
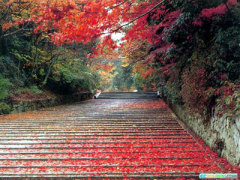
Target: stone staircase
111 138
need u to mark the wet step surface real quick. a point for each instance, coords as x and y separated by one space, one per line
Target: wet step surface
103 138
127 95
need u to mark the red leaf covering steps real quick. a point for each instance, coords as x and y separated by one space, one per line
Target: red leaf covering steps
104 138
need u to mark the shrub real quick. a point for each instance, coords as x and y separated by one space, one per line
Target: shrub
32 89
4 84
138 82
193 88
71 79
198 56
172 94
4 108
229 100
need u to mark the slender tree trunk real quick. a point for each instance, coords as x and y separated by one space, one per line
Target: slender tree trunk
53 59
49 71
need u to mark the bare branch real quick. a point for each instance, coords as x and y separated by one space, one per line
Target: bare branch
14 32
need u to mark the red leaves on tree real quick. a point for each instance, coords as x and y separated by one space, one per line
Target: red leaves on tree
219 10
141 31
163 48
166 69
59 14
149 72
170 18
232 3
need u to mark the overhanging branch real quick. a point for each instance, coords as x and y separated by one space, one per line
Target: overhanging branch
142 15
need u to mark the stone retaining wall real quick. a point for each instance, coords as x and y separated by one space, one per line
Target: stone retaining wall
23 106
222 134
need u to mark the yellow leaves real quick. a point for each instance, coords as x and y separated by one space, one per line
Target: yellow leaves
15 13
125 65
106 78
135 50
125 62
56 66
140 69
7 26
106 71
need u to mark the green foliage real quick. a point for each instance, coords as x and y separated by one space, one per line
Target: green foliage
172 94
10 70
32 89
236 96
228 49
229 101
31 61
138 82
4 85
123 79
73 77
4 108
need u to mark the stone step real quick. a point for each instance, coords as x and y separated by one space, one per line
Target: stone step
90 138
98 135
163 130
100 124
127 95
103 138
73 146
104 166
87 143
107 175
70 152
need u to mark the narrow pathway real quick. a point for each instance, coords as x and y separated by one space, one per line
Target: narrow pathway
110 138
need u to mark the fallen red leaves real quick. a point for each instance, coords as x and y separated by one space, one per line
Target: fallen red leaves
139 136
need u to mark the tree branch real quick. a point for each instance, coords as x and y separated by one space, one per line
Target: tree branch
144 14
14 32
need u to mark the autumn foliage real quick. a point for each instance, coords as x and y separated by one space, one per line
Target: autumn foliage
179 35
